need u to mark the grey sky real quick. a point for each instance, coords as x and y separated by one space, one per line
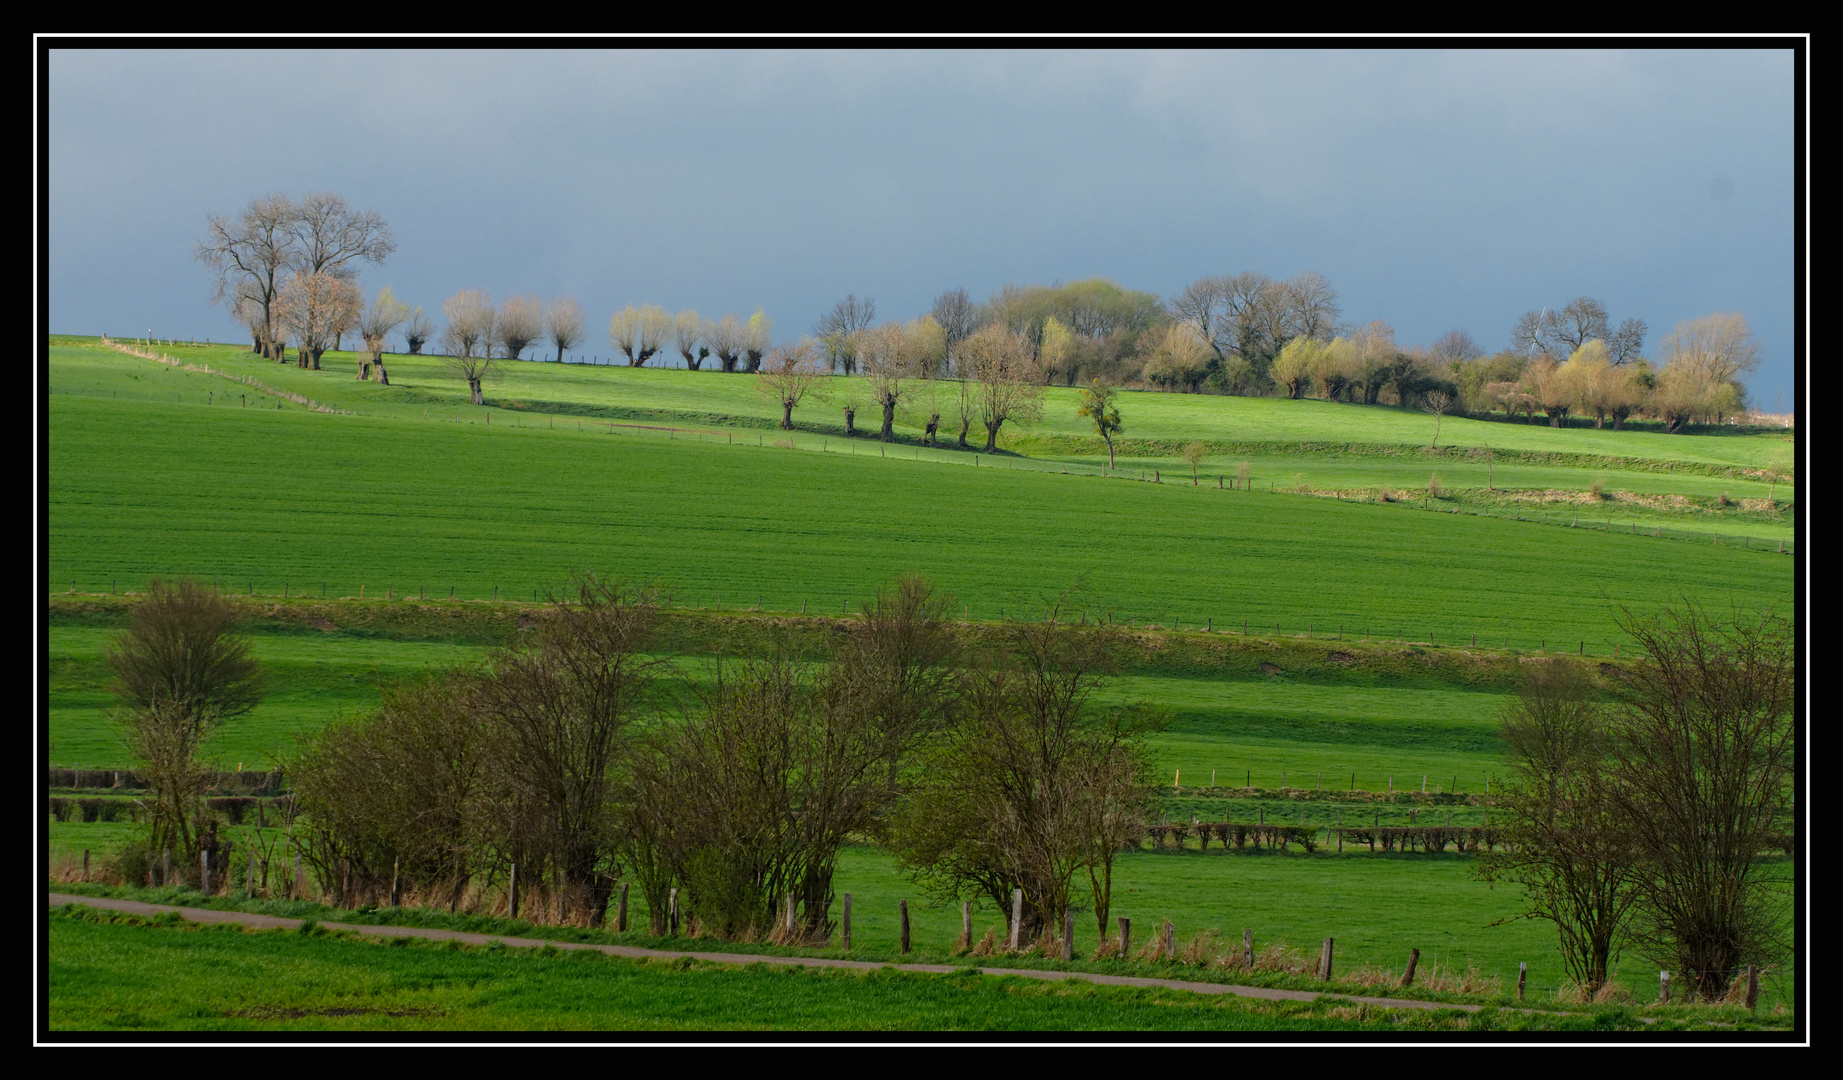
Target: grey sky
1433 189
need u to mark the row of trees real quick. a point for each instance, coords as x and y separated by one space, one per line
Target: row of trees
1642 822
983 765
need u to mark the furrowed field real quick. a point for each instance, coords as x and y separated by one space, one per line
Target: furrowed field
1291 641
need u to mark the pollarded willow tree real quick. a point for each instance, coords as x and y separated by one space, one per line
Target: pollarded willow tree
688 338
790 375
563 323
468 338
639 332
521 322
996 371
250 257
382 316
758 336
728 338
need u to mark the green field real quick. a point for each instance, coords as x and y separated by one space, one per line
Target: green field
280 499
160 975
675 477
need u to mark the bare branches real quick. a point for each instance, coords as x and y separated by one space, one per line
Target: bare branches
688 338
521 322
375 324
471 323
996 369
250 257
639 332
728 337
563 322
316 309
329 236
837 328
791 374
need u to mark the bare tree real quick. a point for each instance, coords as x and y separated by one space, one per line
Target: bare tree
417 331
180 673
250 257
315 309
790 375
958 317
836 328
380 317
1624 345
1312 307
688 337
1565 843
996 364
760 335
558 711
1703 758
329 236
886 367
563 322
639 332
471 319
1436 403
1016 792
1453 345
1713 349
1582 320
521 322
728 337
1202 306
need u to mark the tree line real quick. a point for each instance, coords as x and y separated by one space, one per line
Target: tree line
288 271
585 754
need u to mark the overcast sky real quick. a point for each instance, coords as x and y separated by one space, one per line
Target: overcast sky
1433 189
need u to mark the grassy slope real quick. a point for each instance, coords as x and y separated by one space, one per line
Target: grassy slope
139 489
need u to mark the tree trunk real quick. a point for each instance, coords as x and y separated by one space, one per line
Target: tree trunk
965 425
991 435
364 371
889 420
1109 439
934 425
787 415
383 376
851 419
474 386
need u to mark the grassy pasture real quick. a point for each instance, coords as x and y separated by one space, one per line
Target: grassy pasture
1375 906
1265 729
267 497
1151 416
1652 480
149 975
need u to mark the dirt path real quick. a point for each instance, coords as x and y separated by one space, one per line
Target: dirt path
205 915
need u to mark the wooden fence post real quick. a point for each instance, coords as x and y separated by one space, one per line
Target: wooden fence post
86 864
1126 935
905 926
1414 960
1663 987
512 894
845 929
1169 947
204 872
1068 935
620 913
672 912
966 924
396 882
1753 986
1247 949
1522 975
1324 962
1017 917
790 914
